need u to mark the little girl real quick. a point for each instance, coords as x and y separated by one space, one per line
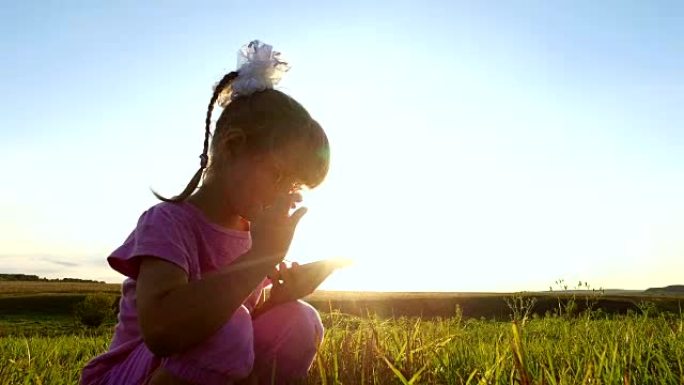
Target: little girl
191 310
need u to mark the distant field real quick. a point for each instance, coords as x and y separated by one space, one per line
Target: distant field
36 287
33 287
58 298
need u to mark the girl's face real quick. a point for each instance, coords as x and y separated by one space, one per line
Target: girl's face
254 182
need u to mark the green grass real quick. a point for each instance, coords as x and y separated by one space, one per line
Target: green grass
554 350
592 348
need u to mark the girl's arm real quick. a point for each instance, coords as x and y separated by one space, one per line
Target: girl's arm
174 314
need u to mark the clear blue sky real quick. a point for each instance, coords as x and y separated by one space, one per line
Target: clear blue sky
476 145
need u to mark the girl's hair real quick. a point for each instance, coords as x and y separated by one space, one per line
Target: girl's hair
265 121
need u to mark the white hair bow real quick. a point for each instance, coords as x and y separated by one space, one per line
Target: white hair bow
259 68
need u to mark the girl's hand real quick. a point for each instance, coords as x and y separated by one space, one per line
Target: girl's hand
273 229
293 283
298 281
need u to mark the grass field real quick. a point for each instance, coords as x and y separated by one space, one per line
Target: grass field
569 346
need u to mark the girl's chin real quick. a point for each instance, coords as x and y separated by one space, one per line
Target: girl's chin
251 212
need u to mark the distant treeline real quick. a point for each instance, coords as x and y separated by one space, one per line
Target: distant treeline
31 277
666 289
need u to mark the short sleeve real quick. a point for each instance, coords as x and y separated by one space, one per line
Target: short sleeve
161 232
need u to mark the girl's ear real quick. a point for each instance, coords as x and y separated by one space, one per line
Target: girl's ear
232 144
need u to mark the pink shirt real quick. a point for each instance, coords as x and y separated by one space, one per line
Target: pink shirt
178 233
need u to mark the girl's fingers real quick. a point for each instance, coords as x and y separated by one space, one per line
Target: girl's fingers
297 215
274 276
294 268
284 273
283 203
